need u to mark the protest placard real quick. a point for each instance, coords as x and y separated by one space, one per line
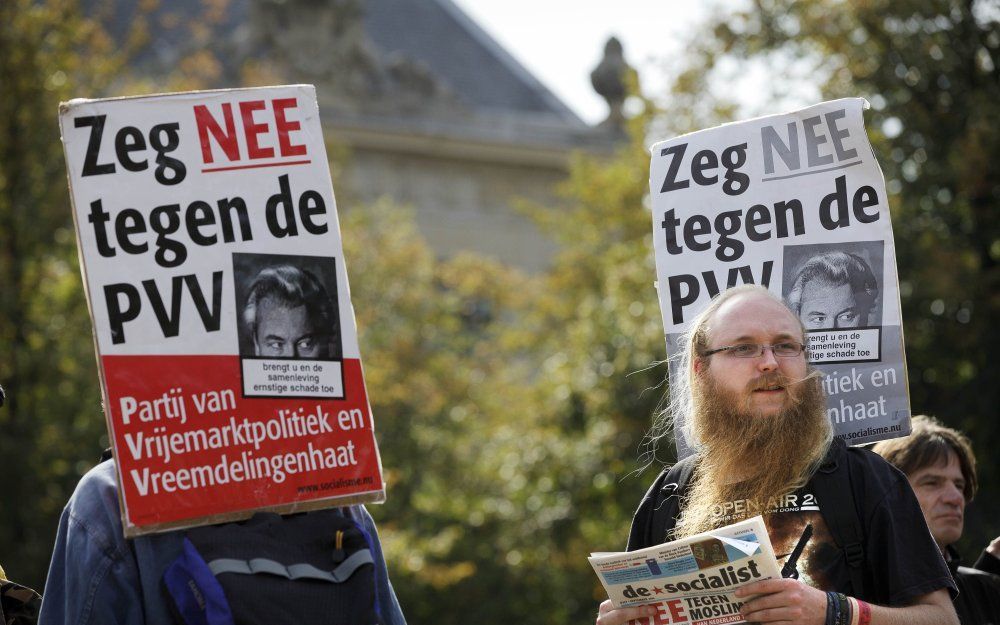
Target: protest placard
215 276
796 203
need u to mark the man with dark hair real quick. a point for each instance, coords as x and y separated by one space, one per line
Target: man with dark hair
289 314
755 415
833 290
941 468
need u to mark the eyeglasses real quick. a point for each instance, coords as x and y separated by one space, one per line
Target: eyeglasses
785 349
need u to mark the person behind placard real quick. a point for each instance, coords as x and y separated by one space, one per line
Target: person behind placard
289 314
98 577
754 412
941 467
834 290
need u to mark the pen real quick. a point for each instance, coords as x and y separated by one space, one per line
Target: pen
789 569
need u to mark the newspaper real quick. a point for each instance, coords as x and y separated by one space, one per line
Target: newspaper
222 317
796 203
691 580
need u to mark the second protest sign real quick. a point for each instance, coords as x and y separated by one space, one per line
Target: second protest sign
796 203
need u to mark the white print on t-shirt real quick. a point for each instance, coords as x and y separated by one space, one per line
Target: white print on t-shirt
744 508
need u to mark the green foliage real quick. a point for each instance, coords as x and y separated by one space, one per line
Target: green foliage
482 485
49 53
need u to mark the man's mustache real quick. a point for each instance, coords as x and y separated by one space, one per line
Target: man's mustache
769 380
776 379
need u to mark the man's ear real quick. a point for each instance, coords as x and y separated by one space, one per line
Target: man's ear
698 365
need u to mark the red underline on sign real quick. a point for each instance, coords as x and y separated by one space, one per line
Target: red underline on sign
255 166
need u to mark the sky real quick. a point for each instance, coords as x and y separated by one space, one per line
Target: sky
562 41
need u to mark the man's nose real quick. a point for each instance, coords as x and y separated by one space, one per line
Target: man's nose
766 361
954 495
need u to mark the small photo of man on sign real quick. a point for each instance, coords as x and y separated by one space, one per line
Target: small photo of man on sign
286 310
833 287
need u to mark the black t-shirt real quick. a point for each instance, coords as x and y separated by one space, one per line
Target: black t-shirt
902 561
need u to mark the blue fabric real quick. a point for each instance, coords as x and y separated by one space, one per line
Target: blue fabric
189 574
98 578
370 542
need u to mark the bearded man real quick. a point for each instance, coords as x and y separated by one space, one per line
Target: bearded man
755 414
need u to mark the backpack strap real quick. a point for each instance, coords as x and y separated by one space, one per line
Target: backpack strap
657 513
838 505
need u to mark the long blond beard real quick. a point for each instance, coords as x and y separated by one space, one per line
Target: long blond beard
747 456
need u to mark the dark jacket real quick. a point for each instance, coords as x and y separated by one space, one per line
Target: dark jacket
18 604
978 601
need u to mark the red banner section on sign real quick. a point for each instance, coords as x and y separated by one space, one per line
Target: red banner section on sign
189 444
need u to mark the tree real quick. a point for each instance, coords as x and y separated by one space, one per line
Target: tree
52 427
48 53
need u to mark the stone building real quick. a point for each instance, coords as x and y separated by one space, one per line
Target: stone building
433 112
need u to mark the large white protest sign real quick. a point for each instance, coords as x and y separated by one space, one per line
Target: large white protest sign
215 275
796 203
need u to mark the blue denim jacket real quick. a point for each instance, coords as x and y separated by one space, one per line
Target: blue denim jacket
98 577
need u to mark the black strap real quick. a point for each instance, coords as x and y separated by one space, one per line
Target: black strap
838 505
658 512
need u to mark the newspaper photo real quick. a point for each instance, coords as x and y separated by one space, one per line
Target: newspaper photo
691 580
222 318
796 203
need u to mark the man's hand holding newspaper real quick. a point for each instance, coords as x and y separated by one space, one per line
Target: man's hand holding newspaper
719 577
787 600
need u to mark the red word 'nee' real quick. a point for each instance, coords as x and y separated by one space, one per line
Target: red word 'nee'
257 130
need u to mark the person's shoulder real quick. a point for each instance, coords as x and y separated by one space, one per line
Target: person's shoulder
871 467
359 514
356 512
874 481
682 467
94 504
671 478
95 490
